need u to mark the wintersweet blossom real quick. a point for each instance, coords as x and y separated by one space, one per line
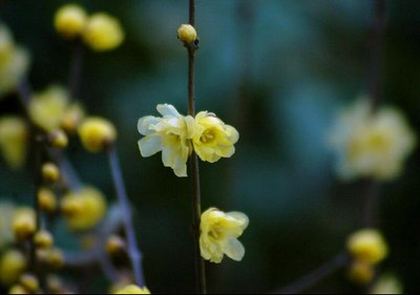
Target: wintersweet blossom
132 289
48 107
219 233
14 136
14 62
367 245
103 32
12 265
387 284
212 138
84 209
371 144
168 134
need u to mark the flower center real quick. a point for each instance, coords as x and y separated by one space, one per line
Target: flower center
216 233
208 136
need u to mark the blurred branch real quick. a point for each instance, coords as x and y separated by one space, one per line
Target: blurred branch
315 276
124 203
75 73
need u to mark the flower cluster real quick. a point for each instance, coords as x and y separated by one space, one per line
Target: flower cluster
14 62
367 248
177 136
370 143
100 31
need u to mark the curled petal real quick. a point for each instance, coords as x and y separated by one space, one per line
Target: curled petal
234 249
146 123
167 110
150 145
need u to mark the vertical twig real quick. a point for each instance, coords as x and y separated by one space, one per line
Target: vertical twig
376 96
124 203
75 73
194 165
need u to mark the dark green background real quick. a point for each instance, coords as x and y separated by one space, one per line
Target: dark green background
278 72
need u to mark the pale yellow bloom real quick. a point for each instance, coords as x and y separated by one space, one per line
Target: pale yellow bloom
219 233
96 134
70 20
13 140
14 62
72 118
6 214
213 139
132 289
367 245
387 284
103 32
187 33
168 134
84 209
361 272
48 107
371 144
12 265
24 223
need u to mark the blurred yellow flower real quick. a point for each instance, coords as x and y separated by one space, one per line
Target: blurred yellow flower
367 245
219 233
84 209
168 134
23 223
132 289
72 117
96 134
14 62
103 32
6 214
12 265
13 140
70 20
371 144
48 107
387 284
361 272
212 138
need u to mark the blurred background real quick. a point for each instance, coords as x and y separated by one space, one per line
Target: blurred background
278 71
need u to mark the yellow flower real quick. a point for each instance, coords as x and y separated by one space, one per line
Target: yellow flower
6 214
84 209
96 134
47 108
170 135
24 223
70 20
12 265
103 32
219 233
387 284
213 139
132 289
371 144
367 245
187 33
14 62
13 140
72 117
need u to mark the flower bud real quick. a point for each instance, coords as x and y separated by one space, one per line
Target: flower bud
12 264
18 289
115 245
58 139
72 118
29 282
70 21
47 200
187 34
52 257
23 223
103 32
43 239
50 172
367 245
96 134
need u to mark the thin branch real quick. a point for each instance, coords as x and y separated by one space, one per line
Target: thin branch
315 276
194 165
124 203
75 73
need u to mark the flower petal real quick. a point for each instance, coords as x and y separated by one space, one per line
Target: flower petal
234 249
167 110
145 123
150 145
